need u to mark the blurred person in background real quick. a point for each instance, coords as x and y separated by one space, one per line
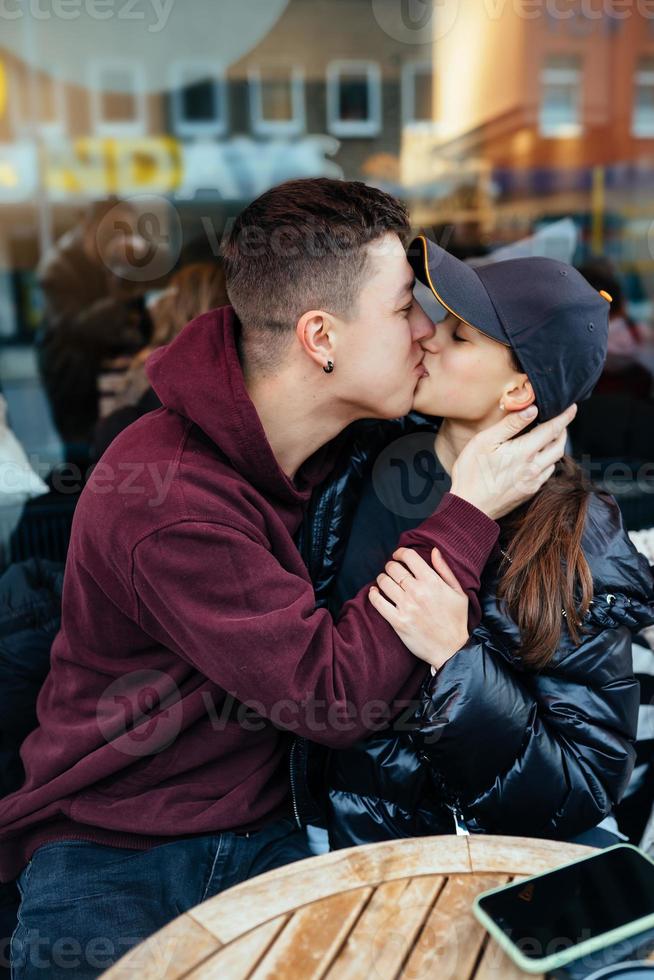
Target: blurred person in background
617 422
623 372
193 290
92 313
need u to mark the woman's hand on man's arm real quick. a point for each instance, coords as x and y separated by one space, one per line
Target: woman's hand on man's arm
425 606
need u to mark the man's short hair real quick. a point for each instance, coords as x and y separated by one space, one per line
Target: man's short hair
298 247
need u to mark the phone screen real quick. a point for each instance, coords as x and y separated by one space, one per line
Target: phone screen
574 904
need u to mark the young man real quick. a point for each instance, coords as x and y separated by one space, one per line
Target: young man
147 787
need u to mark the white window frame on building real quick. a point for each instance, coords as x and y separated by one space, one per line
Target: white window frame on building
198 71
21 121
123 127
354 127
410 69
571 75
276 127
643 128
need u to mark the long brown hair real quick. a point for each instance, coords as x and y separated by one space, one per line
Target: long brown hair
194 289
544 575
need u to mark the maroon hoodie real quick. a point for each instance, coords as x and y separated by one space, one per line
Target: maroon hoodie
185 597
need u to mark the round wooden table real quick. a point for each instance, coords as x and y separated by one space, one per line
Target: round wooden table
397 909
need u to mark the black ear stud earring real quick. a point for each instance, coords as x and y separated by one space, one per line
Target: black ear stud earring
329 368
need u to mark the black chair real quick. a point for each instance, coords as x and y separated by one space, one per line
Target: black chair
43 530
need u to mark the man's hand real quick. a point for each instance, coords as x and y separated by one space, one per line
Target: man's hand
496 472
426 606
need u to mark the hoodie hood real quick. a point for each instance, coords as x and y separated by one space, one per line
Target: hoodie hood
199 376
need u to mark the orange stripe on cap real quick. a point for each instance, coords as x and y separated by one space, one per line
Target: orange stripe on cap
433 288
607 296
440 298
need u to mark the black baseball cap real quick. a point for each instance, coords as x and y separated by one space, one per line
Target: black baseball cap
553 319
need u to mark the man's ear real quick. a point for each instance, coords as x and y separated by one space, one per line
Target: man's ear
315 332
518 395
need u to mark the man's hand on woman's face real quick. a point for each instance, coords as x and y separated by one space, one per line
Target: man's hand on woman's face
497 472
426 606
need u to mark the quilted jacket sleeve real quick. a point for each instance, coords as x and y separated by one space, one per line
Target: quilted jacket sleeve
541 754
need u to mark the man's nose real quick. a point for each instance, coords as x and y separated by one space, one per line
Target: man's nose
423 328
439 340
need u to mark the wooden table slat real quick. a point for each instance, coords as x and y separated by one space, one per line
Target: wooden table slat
240 958
167 954
521 855
451 940
384 935
312 938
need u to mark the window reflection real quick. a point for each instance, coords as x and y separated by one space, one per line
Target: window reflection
198 99
643 119
418 93
354 98
560 113
277 100
118 105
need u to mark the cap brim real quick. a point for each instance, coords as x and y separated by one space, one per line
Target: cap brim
456 286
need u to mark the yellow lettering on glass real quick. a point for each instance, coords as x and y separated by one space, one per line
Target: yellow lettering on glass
112 165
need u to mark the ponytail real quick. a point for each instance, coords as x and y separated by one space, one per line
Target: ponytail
544 575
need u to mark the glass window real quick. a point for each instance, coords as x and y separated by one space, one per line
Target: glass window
38 104
643 117
494 131
118 98
277 100
199 99
354 98
418 93
560 100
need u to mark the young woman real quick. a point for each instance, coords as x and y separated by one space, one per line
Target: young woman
528 729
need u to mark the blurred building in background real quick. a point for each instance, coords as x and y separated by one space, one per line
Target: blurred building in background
484 113
554 104
491 118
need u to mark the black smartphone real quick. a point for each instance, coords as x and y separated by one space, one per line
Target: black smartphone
548 920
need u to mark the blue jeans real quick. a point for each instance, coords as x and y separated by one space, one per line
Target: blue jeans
83 905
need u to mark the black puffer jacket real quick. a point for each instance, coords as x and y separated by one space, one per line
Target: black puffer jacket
502 748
